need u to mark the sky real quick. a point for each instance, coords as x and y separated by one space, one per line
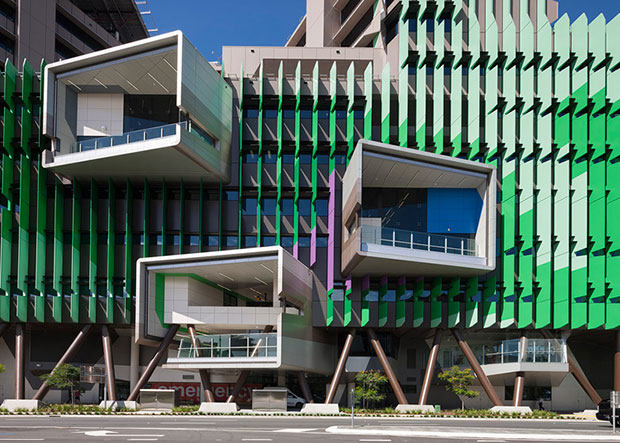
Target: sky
211 24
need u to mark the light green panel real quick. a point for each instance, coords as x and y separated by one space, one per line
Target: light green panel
40 235
561 178
385 103
456 91
438 85
76 222
579 176
92 256
471 303
420 87
418 302
473 86
383 304
110 253
597 173
368 88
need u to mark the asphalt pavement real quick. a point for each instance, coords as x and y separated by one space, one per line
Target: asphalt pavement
188 429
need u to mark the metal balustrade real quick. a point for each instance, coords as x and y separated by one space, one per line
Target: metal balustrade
529 350
230 346
400 238
127 138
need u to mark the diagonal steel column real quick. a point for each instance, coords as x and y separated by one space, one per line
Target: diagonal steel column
473 362
518 392
430 368
305 388
148 371
109 363
19 361
204 374
244 374
342 361
68 355
3 328
387 368
581 378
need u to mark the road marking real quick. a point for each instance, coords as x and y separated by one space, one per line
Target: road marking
491 441
370 439
22 439
108 433
256 439
296 430
142 439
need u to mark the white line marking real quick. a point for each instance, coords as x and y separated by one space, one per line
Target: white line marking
296 430
370 439
491 441
22 439
142 439
256 439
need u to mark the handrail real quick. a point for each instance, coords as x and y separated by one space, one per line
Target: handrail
127 138
230 346
400 238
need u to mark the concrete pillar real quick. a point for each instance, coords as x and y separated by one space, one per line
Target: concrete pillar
342 361
134 363
430 368
518 391
19 361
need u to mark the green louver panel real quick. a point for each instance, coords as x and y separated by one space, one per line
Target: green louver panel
92 254
368 88
418 302
279 157
435 302
472 302
297 166
109 294
561 177
129 262
401 303
579 175
386 87
612 305
383 303
454 305
76 226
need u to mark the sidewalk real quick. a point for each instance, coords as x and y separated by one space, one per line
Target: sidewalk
474 433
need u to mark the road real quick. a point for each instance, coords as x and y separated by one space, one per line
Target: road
189 429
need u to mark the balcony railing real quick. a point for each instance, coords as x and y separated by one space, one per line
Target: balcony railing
126 138
530 350
230 346
424 241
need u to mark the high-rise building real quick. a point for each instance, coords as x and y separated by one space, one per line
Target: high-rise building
52 30
405 185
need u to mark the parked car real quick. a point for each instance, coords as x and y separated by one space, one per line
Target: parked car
604 412
294 401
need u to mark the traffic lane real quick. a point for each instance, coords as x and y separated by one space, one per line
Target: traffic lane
270 422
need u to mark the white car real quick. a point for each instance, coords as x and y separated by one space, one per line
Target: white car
294 401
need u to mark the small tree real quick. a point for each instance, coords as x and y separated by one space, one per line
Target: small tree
2 368
64 376
458 381
369 387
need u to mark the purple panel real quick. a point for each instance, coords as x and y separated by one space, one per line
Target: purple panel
331 227
313 246
366 283
296 250
348 283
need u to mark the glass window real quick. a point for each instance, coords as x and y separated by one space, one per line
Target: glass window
249 205
305 113
250 113
340 159
249 241
358 114
321 207
287 241
270 157
321 241
288 159
288 113
288 206
323 114
304 241
269 206
250 157
341 114
231 195
271 113
213 240
322 159
305 206
305 159
268 240
232 241
194 240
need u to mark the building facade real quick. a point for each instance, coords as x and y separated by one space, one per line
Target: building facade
405 186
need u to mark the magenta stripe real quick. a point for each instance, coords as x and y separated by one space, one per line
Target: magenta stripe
331 227
384 281
348 284
296 250
402 281
366 283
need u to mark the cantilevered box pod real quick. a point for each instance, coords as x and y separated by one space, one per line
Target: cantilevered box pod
189 289
149 109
